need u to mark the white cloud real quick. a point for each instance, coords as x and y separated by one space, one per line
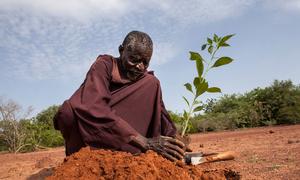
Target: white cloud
195 11
182 11
78 9
54 38
287 5
162 53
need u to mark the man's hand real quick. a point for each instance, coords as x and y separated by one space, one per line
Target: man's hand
170 148
186 140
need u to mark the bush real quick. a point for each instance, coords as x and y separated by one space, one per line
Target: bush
23 135
52 138
276 104
49 137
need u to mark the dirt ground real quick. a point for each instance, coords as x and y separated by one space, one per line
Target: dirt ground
262 153
102 164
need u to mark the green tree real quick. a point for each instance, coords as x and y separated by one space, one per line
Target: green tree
276 104
48 136
282 101
46 116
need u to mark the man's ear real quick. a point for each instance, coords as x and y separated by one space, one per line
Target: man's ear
121 48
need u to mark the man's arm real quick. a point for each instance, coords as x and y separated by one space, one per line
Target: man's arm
101 127
98 124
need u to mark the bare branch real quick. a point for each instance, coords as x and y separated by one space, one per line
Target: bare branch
11 129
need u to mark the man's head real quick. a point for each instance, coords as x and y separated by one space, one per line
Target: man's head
135 53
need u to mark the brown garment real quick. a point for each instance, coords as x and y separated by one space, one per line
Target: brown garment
106 110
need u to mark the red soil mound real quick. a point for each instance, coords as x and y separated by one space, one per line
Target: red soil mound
105 164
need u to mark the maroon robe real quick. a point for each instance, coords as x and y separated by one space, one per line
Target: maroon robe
105 111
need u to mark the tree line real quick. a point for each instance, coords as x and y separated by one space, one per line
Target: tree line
18 133
276 104
273 105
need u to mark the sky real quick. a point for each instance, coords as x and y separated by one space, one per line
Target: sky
46 47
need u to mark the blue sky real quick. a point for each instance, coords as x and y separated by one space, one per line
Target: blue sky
47 46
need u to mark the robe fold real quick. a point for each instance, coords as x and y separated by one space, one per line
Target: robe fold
105 111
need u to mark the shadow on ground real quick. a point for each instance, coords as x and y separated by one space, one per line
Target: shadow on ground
42 174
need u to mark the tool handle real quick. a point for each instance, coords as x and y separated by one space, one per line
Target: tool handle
228 155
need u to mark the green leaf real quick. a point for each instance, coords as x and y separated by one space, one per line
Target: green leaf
199 108
185 115
209 41
222 61
196 82
186 101
200 67
214 90
219 39
216 38
201 85
203 88
223 45
203 46
199 64
223 41
210 49
225 38
195 56
188 86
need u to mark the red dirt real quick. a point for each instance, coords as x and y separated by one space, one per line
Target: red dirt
263 153
34 165
105 164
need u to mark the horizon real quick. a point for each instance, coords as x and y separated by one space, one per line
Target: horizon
48 46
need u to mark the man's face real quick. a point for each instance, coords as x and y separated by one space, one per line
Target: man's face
135 60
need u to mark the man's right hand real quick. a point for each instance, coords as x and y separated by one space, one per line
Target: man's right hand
169 147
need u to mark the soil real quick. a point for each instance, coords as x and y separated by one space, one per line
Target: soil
105 164
262 153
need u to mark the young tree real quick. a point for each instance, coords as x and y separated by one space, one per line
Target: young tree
200 84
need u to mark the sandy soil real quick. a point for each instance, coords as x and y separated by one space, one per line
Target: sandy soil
262 153
107 165
30 165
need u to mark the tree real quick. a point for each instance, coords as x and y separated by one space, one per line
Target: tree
12 133
276 104
48 136
46 116
200 84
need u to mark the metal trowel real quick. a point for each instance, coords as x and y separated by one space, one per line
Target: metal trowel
196 158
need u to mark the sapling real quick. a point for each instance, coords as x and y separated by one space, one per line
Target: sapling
200 84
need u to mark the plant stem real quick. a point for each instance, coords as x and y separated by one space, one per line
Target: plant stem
188 117
190 112
209 63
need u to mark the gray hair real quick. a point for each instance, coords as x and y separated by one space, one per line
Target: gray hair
135 37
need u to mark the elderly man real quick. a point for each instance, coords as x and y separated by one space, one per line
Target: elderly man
119 106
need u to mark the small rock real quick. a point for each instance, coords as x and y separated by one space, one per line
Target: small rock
94 170
271 131
180 164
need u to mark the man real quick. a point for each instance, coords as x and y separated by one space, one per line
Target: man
119 106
